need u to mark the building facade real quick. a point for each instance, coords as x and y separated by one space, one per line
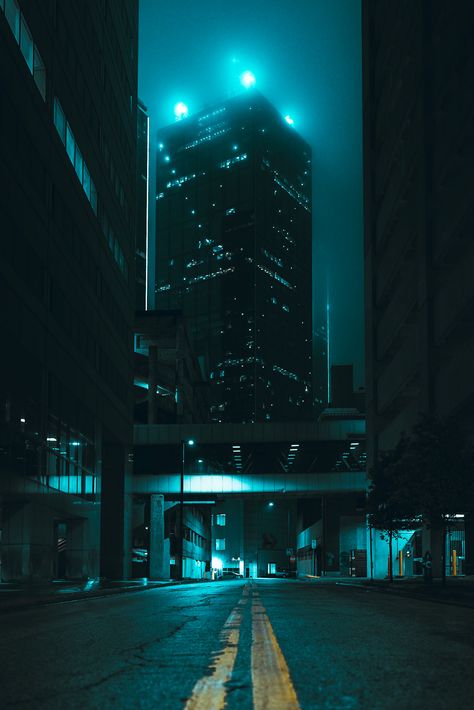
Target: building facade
143 173
233 245
419 253
68 73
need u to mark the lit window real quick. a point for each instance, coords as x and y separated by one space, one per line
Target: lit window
12 13
220 543
39 73
60 120
26 44
70 143
86 182
93 197
220 519
78 162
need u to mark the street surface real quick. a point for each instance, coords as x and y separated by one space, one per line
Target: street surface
264 644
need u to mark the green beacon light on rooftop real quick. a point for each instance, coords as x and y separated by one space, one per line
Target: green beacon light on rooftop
247 79
290 121
180 110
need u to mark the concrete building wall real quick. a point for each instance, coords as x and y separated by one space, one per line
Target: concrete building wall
67 167
419 252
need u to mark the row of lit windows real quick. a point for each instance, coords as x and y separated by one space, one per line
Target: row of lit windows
272 257
74 154
276 276
212 115
83 173
285 373
30 52
293 192
204 139
184 178
211 275
232 161
23 36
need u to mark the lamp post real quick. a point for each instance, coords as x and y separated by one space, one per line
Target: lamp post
184 442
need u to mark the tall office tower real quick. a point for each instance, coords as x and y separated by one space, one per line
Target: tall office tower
418 154
233 243
143 170
68 72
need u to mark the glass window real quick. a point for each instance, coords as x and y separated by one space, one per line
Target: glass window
70 143
78 162
220 543
12 12
86 182
220 519
26 44
39 73
60 120
93 197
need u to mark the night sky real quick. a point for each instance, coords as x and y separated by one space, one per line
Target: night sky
306 56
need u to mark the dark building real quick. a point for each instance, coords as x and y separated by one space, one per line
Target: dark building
143 170
233 231
168 384
68 72
419 253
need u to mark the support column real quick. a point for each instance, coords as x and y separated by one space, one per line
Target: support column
115 513
157 537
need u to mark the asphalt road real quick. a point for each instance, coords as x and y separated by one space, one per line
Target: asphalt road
267 644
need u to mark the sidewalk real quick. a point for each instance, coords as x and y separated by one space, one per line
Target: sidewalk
18 596
456 590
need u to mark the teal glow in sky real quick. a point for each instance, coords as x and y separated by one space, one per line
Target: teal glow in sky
306 56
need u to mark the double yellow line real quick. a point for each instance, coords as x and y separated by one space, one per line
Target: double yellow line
271 682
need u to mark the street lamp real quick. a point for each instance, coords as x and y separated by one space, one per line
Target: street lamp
184 443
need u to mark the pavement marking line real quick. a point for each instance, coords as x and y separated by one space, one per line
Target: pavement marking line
271 680
209 693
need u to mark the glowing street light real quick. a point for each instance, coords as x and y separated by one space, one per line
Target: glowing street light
289 120
180 110
247 79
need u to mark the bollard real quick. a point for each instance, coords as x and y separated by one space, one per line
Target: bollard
400 563
455 571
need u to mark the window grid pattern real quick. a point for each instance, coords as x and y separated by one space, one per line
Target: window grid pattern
24 38
83 173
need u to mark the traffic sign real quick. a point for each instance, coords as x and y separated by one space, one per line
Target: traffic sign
313 544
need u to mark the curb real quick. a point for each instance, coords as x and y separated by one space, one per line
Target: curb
6 608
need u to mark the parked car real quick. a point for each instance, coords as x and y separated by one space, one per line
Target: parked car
229 575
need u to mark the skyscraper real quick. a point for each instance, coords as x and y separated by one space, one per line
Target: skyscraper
233 244
68 72
419 251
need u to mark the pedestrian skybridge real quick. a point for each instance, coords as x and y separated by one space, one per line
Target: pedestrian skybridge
245 459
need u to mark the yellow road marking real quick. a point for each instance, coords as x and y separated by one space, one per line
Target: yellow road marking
271 681
209 693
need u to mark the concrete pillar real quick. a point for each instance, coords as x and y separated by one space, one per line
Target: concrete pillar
157 536
115 540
